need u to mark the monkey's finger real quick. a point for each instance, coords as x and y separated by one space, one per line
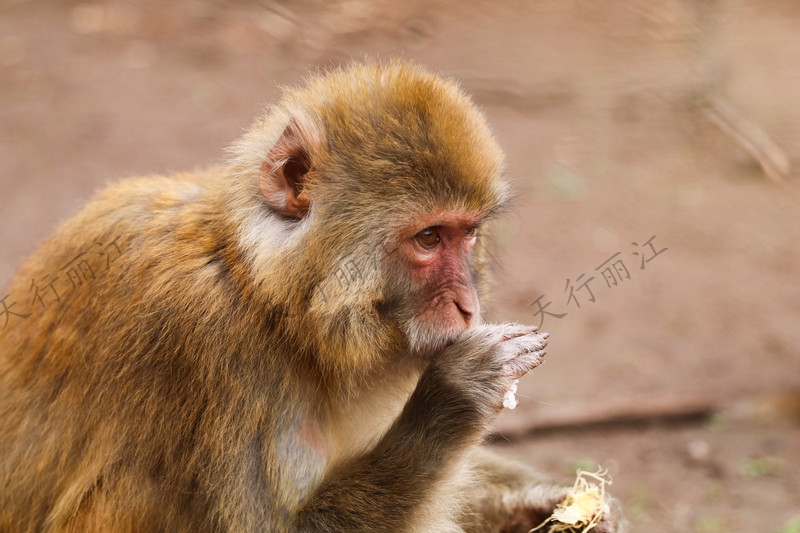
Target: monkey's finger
511 348
524 363
533 341
512 331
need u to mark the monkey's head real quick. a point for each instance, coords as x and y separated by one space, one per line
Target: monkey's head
380 179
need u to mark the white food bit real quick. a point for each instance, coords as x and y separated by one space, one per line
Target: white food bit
584 506
509 400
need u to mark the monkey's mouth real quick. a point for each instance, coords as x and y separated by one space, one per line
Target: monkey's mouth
426 340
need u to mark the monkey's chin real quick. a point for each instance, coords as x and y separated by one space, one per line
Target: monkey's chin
426 342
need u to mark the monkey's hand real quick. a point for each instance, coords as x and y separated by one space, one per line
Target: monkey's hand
485 360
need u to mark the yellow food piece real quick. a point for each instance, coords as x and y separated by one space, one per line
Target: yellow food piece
584 505
579 508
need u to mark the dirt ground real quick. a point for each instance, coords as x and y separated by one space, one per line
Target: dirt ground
622 120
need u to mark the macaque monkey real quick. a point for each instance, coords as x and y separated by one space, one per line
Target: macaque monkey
289 342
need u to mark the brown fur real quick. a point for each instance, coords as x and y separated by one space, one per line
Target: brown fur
255 360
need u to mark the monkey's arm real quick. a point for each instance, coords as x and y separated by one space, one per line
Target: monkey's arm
447 414
381 490
509 497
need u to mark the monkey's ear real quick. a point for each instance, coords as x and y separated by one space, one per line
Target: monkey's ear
283 174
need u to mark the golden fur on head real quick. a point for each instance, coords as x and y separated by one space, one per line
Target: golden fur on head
388 129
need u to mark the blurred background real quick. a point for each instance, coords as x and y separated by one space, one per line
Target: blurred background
622 121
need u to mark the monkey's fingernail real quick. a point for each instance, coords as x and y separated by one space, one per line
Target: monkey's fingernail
545 335
535 328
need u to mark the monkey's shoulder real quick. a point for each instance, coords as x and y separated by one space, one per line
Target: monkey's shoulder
126 214
148 207
154 193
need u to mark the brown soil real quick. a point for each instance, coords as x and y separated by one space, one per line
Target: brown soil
603 108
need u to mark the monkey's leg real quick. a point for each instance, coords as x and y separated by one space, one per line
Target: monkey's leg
509 497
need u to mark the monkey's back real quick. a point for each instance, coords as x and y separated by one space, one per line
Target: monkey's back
103 391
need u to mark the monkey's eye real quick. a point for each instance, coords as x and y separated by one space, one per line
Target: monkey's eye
428 238
471 232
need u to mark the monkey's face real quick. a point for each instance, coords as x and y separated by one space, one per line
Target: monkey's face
440 299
